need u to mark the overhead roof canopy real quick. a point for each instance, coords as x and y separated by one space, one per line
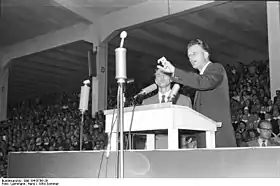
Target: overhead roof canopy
236 32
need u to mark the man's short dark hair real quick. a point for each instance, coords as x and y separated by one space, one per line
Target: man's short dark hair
160 71
199 42
243 123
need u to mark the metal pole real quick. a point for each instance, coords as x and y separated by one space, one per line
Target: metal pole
121 118
81 131
120 54
121 131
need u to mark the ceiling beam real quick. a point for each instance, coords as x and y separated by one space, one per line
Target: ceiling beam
81 8
43 69
233 15
223 28
83 58
147 34
167 35
72 52
216 41
50 67
31 78
67 80
18 70
44 42
78 46
147 11
150 49
54 55
151 10
179 60
55 63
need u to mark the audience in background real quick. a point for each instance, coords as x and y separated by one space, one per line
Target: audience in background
52 122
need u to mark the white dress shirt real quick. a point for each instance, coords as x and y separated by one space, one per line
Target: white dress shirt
203 69
260 141
167 94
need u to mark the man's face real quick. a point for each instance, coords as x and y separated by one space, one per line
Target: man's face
242 125
252 134
238 136
261 92
162 80
267 116
265 130
233 118
197 56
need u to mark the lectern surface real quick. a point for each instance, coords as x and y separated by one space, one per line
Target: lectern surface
159 117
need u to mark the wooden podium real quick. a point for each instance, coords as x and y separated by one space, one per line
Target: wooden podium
161 117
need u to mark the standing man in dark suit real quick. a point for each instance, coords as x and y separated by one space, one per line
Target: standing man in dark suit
163 82
212 94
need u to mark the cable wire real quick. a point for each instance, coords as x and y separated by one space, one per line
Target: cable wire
109 142
130 126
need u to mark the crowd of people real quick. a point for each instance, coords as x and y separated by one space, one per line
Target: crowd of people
52 122
251 101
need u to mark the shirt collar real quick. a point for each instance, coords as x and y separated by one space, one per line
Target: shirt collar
166 95
203 69
260 141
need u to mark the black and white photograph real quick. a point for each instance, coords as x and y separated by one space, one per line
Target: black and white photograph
94 89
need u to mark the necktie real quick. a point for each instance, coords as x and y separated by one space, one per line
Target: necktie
163 99
263 143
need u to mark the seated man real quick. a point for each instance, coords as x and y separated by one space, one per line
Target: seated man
163 82
264 140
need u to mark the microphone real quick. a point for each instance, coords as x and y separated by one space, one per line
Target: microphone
120 56
123 36
174 92
146 90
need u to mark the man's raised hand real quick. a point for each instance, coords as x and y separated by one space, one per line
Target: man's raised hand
165 66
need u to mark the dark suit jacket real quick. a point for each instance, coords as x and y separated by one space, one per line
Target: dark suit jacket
211 100
255 143
180 100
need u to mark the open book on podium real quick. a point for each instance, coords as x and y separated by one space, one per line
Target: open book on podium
163 116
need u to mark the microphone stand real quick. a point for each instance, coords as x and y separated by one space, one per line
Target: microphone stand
120 54
81 129
120 144
83 107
